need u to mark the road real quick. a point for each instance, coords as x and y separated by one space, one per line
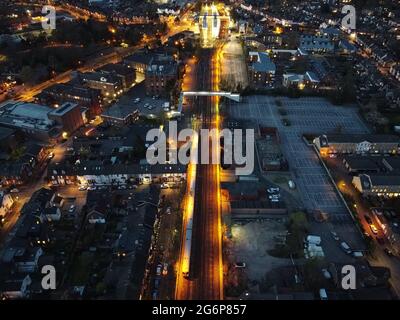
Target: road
96 62
206 281
378 257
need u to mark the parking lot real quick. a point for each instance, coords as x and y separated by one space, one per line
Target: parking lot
316 116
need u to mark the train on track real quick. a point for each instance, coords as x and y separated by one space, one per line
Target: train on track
190 212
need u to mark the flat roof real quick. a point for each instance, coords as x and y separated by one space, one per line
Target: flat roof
127 105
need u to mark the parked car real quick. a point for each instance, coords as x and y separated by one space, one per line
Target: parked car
240 265
165 269
326 273
335 235
322 294
368 219
345 247
373 229
357 254
275 196
159 269
388 252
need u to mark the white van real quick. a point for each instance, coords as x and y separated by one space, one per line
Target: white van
345 247
322 294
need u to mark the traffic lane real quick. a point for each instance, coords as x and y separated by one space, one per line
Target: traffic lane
345 185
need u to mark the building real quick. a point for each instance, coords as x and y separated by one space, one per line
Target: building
68 116
261 69
362 164
110 85
395 71
16 286
32 119
357 144
346 47
14 173
377 185
6 202
316 44
308 80
161 76
123 71
73 92
27 259
139 61
323 70
97 173
8 138
209 24
392 164
133 105
120 114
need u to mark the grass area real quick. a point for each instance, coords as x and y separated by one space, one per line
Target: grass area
280 180
297 230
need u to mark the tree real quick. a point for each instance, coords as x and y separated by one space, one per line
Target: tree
17 153
312 273
26 74
298 220
101 288
140 148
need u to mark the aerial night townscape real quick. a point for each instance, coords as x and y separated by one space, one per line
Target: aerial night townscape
200 150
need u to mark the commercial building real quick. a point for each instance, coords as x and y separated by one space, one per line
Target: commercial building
73 92
377 185
362 164
125 72
110 85
316 44
261 69
32 119
307 80
357 144
98 173
139 61
161 76
68 116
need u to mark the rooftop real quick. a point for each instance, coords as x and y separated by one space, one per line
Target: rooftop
357 138
128 104
263 62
